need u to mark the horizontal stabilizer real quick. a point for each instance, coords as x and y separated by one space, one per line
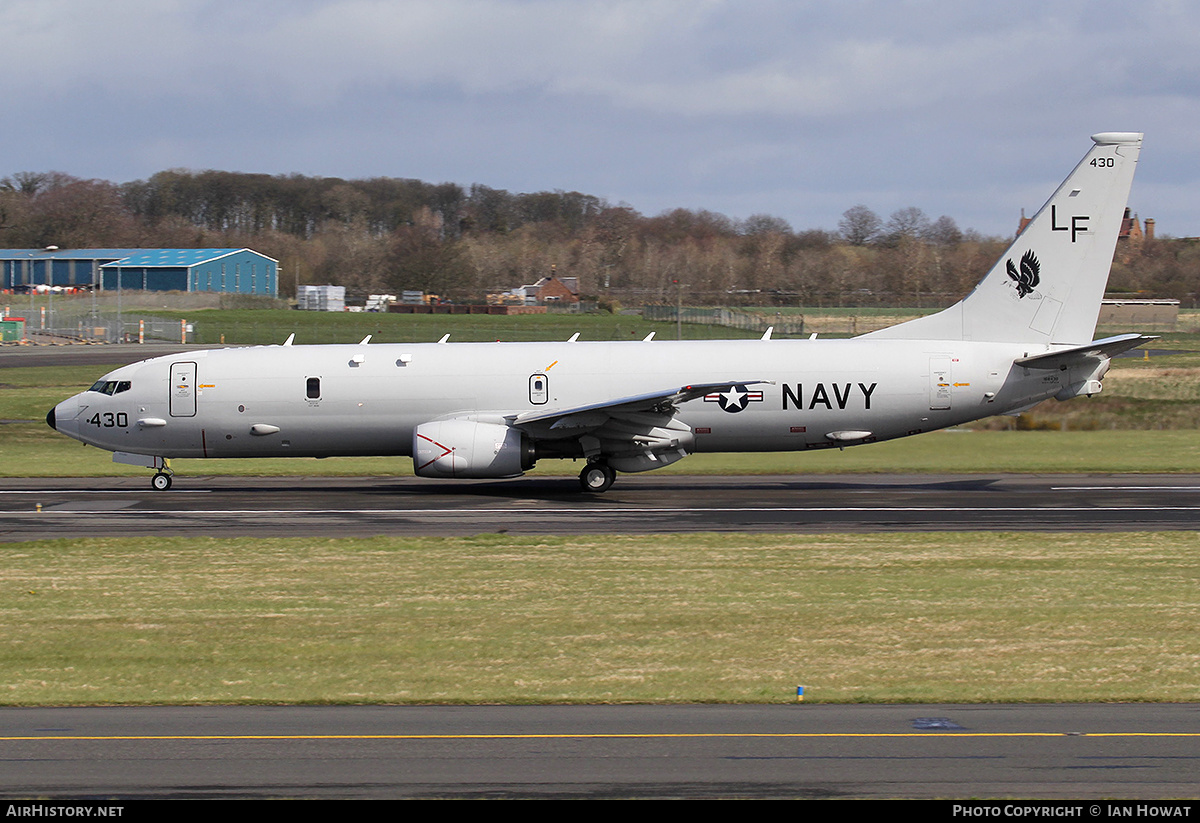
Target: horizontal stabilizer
1096 350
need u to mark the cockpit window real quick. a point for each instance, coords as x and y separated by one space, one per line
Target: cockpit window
111 386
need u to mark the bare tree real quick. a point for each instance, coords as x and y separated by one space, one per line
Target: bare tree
944 232
28 183
859 225
765 224
905 224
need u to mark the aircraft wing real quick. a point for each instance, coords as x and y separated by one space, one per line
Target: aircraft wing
1096 350
654 408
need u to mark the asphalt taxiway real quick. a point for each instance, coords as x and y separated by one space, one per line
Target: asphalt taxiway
336 506
795 751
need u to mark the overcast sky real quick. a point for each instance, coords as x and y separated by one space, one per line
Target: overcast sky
795 109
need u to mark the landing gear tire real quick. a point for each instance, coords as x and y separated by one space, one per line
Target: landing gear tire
161 481
597 477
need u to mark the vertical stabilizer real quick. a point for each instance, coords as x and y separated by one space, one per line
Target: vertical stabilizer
1048 285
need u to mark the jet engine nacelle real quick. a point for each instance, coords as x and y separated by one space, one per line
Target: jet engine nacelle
467 448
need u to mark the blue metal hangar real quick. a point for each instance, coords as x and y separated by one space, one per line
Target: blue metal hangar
232 271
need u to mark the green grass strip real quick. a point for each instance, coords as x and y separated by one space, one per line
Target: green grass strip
676 618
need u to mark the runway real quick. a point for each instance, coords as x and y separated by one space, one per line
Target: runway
334 506
793 751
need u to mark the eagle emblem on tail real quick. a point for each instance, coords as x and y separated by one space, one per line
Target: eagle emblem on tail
1030 274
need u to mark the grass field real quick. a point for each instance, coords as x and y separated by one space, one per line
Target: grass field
267 326
258 326
678 618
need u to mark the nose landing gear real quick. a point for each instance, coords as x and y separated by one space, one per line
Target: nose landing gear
162 478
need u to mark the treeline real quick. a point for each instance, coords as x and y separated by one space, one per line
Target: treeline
389 234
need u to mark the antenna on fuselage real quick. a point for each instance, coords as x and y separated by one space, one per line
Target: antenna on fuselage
767 333
445 338
291 337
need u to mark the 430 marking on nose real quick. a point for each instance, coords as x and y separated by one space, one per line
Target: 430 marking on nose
109 420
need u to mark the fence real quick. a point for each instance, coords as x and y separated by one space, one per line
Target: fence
789 324
76 322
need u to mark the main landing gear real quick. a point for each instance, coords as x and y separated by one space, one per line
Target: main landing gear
597 477
162 480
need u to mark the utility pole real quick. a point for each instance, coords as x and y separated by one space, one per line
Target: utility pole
678 308
50 287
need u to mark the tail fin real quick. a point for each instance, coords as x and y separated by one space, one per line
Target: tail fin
1048 286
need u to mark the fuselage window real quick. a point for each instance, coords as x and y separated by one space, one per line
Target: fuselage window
314 388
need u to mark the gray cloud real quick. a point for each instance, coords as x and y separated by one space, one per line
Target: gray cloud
792 108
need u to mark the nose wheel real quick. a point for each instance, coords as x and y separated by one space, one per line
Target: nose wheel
597 477
161 481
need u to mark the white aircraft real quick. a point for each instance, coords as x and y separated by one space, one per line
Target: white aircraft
491 410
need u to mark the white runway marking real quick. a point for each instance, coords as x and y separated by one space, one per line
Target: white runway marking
638 511
142 492
1125 488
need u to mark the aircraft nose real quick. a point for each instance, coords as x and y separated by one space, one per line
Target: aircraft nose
50 421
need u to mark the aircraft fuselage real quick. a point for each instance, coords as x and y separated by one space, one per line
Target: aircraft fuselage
473 410
320 401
